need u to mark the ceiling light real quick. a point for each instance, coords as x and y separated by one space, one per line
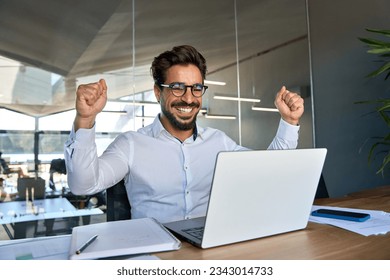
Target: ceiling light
264 109
231 98
203 113
135 102
142 103
145 117
220 117
116 112
122 112
217 83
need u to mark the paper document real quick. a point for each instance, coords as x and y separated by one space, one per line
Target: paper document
379 222
121 238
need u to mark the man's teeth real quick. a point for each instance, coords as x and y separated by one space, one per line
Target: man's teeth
185 110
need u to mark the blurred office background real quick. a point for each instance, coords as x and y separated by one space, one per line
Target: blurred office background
253 47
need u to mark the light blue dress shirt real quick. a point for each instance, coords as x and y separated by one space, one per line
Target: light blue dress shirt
165 178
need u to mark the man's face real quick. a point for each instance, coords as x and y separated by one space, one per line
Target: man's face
180 112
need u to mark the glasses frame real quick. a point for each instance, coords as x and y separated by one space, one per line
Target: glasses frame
170 86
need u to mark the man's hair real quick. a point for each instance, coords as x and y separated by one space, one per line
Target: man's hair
179 55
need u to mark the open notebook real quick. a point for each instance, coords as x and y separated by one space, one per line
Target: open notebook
121 238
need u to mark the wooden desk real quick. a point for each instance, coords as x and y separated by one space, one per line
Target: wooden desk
317 241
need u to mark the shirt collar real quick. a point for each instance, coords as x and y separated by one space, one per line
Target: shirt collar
158 128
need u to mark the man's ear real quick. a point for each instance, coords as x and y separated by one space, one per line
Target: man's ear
157 93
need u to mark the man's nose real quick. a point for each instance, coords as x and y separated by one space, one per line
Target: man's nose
187 96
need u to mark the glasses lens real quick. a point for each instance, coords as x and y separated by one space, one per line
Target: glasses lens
198 89
177 88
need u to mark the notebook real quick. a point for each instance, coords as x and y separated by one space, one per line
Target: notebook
256 194
121 238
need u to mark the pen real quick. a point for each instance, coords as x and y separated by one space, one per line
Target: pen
86 244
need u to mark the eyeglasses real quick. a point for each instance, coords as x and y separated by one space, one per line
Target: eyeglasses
179 89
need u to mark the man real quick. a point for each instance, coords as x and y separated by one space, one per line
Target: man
6 170
168 165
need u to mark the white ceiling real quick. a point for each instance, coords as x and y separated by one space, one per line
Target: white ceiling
89 37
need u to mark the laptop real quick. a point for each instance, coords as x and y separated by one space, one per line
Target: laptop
255 194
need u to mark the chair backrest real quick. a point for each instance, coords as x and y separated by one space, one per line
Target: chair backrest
58 165
118 206
25 185
322 191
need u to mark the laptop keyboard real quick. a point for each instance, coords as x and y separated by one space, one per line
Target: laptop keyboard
196 232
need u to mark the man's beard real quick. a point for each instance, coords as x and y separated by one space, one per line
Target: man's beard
177 123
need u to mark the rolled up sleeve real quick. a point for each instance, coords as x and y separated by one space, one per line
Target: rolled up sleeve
286 137
81 161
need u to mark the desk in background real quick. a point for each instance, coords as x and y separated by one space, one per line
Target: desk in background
14 213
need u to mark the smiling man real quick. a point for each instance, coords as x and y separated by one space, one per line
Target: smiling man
180 106
168 165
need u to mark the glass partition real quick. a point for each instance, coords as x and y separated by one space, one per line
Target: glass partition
273 51
252 48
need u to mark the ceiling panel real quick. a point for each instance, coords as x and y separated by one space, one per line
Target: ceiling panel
89 37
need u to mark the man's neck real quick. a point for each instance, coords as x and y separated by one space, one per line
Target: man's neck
181 135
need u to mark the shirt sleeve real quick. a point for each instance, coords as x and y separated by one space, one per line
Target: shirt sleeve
286 137
87 173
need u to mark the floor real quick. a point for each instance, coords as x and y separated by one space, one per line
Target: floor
61 226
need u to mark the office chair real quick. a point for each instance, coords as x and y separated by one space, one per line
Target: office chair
322 191
56 166
25 186
118 205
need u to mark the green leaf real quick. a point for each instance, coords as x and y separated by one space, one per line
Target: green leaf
380 31
371 152
374 42
385 107
386 161
379 50
381 147
384 68
385 117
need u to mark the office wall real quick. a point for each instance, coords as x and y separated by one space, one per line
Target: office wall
339 66
272 52
261 77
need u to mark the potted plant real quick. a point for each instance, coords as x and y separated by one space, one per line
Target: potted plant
381 49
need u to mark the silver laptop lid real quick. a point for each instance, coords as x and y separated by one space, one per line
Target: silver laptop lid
261 193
